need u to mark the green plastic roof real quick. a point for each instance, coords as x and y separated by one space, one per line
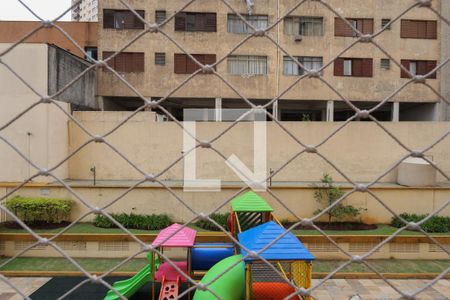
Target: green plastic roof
250 201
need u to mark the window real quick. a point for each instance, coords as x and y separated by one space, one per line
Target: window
196 22
237 25
418 67
160 59
355 67
122 19
385 22
341 28
418 29
91 53
185 65
160 16
385 63
308 26
309 62
347 67
126 62
247 65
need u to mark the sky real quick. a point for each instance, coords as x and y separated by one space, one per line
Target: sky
46 9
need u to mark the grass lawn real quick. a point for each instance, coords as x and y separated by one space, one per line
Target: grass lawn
381 230
105 264
90 228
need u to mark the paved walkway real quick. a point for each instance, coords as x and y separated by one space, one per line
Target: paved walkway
332 290
27 285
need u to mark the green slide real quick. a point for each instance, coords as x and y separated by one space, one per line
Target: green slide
229 286
130 286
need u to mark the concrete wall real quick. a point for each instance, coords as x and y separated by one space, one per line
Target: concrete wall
41 134
84 34
361 150
147 199
321 250
158 81
65 67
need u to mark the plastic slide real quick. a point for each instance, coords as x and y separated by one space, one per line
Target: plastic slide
130 286
229 286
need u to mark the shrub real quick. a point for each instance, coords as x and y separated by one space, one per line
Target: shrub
326 193
34 211
134 221
220 218
434 224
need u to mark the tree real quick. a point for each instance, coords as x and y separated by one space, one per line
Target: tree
327 193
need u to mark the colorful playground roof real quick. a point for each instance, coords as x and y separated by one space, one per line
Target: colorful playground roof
250 201
286 248
182 238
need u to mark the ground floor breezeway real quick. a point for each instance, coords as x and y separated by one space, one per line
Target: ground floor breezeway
215 109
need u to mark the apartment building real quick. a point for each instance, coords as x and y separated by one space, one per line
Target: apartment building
260 71
84 10
84 34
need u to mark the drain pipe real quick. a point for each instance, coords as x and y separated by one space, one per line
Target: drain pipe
94 173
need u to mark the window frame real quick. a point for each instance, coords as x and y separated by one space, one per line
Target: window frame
158 17
113 22
245 28
406 34
119 61
248 59
195 22
385 64
386 21
159 55
303 60
295 22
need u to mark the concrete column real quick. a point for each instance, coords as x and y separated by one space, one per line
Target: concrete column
275 110
218 108
330 111
396 112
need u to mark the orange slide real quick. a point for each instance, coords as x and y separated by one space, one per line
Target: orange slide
169 289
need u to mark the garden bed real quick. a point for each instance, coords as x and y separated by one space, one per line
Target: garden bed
89 228
348 226
36 226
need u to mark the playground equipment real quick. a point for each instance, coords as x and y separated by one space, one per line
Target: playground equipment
247 211
173 236
287 255
130 286
229 286
253 223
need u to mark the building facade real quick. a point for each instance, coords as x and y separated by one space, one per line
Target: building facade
84 10
84 34
258 69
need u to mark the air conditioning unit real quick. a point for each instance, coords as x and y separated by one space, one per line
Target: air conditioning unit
298 38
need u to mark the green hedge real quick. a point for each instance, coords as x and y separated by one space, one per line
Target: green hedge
33 211
434 224
220 218
134 221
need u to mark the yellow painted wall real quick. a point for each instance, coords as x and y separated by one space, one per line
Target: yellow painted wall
361 150
48 143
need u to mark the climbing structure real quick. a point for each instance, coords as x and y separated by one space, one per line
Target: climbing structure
249 210
174 236
290 260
